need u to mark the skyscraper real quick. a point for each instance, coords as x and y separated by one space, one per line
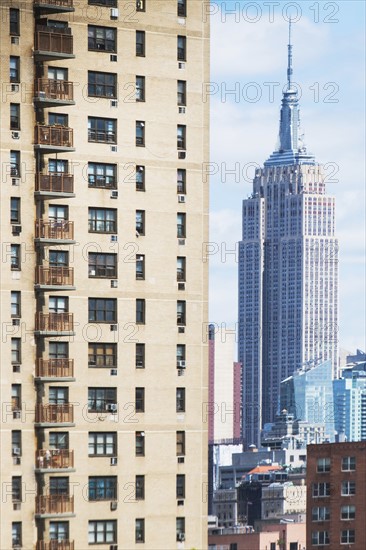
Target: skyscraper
287 270
103 292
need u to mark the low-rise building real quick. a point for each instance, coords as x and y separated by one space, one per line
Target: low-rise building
275 536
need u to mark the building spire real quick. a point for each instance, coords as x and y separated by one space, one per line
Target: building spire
289 58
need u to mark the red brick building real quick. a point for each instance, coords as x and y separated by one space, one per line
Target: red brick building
336 496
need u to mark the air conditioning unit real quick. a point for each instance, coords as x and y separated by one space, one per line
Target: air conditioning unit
181 198
114 461
114 103
114 328
181 65
181 330
15 181
114 13
114 148
180 459
114 238
114 505
14 40
16 229
180 502
181 364
16 368
17 451
139 364
114 194
17 460
181 110
181 537
181 286
15 87
139 5
15 322
16 414
17 505
181 242
113 547
181 154
181 372
114 283
15 135
114 372
113 57
111 407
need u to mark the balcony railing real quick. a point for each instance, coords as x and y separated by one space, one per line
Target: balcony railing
54 229
55 322
55 183
55 136
53 40
54 368
54 276
54 504
55 545
57 414
47 88
55 458
57 3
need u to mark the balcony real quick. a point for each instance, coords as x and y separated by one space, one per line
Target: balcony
52 43
50 415
54 185
54 231
55 369
54 278
50 505
53 138
54 460
54 6
54 324
50 92
55 545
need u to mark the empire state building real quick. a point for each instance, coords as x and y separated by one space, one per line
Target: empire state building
288 270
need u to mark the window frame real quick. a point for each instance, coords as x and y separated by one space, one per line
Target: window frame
139 530
101 360
102 220
181 93
181 8
139 443
103 180
15 164
140 267
181 181
348 464
102 88
99 397
181 313
139 487
140 43
95 532
348 536
102 265
14 116
180 400
140 311
139 400
140 357
346 513
181 137
140 133
181 48
93 313
351 488
180 486
181 225
14 22
140 85
102 488
14 69
323 465
15 257
140 222
181 443
15 203
322 489
102 443
95 43
107 133
140 177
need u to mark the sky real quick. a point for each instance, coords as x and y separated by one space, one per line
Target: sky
248 72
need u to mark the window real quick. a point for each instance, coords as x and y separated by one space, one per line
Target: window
102 355
181 443
181 90
348 536
58 395
181 136
181 225
102 310
14 210
16 443
182 48
58 166
140 178
181 529
181 353
182 8
294 546
102 130
139 530
58 119
14 22
140 311
140 356
321 489
181 268
102 84
58 350
58 214
58 258
110 3
102 532
102 175
348 512
181 312
16 533
320 513
14 69
101 399
14 116
59 486
140 400
140 5
15 257
103 488
102 266
59 531
140 88
140 266
181 399
102 444
15 163
102 220
323 465
140 43
140 487
57 73
59 440
16 489
181 181
319 538
140 222
348 488
58 304
102 39
348 464
181 486
140 133
15 303
140 443
16 350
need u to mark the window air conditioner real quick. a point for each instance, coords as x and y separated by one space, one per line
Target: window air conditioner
114 461
181 241
111 407
181 198
114 148
114 284
113 327
15 87
16 451
114 103
14 40
114 13
114 372
181 364
113 57
15 181
181 286
114 194
181 537
114 505
15 135
180 459
181 110
181 65
16 229
181 154
114 238
16 414
180 502
181 330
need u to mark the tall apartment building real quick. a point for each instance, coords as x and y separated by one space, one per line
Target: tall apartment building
288 271
103 291
336 500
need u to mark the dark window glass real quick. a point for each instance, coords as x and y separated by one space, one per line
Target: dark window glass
140 178
102 130
140 133
140 530
102 266
14 69
102 84
102 355
102 399
102 39
102 175
14 116
140 399
102 220
140 487
103 488
140 43
140 311
140 88
14 22
181 85
140 356
102 310
182 49
181 486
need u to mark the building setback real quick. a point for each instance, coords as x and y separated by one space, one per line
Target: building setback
288 271
103 290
